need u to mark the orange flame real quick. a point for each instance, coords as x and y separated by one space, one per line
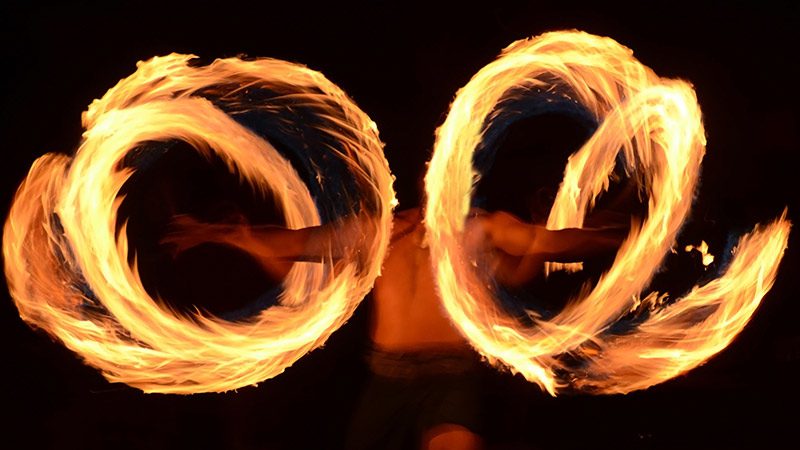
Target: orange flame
657 125
60 234
708 258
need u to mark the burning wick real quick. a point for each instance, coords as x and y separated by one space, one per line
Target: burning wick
708 258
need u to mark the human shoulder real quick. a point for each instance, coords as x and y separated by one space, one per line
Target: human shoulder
410 215
405 222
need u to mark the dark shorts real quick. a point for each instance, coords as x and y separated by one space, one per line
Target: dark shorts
410 393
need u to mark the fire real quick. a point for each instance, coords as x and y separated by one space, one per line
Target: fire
67 267
708 258
656 124
68 272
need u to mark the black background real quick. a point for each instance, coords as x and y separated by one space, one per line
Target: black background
402 64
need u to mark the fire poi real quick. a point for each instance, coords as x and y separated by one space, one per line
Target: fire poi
60 239
67 264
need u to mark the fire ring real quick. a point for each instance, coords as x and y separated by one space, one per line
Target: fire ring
67 269
656 124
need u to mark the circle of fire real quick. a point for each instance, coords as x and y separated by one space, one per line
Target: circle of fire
68 270
656 124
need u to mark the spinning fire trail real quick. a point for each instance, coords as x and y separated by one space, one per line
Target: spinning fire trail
60 235
656 124
67 264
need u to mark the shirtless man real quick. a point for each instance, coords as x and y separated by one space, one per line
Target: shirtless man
425 388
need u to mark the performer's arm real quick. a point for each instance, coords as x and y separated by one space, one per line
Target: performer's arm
517 238
265 242
271 241
517 250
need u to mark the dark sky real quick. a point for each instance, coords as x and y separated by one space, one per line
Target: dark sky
402 65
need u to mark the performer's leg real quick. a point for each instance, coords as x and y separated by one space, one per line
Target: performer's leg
451 416
383 417
451 437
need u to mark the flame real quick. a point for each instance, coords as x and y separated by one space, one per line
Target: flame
656 124
708 258
67 269
68 272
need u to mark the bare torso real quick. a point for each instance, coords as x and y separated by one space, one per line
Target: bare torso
407 313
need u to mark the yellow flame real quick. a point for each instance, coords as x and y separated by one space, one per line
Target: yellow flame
138 340
60 238
684 334
708 258
657 125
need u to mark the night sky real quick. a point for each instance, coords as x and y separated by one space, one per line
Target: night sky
402 65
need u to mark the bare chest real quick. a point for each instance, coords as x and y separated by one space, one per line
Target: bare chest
406 275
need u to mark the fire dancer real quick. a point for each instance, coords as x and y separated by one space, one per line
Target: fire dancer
426 379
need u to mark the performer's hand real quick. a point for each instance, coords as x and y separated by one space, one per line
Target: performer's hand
186 232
